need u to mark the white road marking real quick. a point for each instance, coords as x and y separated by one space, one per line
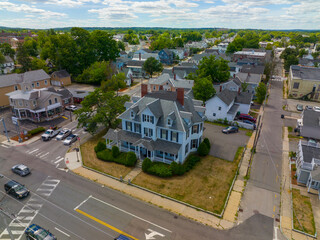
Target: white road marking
44 155
82 202
62 232
131 214
58 160
62 169
5 146
38 154
275 233
58 157
152 234
34 150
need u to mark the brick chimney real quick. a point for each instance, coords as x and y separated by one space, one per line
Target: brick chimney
239 90
139 56
144 89
180 95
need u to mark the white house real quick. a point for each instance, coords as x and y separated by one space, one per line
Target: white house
7 66
163 126
226 105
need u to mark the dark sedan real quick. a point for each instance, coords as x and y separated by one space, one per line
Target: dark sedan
16 189
230 129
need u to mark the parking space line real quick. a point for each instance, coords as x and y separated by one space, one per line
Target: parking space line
131 214
62 232
105 224
82 202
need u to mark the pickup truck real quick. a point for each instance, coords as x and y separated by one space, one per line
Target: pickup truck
50 133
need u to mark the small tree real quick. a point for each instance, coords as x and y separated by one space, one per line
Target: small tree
203 149
203 89
146 164
131 159
152 65
207 142
115 151
261 92
244 86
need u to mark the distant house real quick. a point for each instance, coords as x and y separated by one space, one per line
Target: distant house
309 124
36 105
7 66
60 78
234 68
304 82
308 164
121 62
143 51
136 68
254 55
123 54
165 82
166 56
309 62
163 126
223 47
144 57
226 105
23 81
234 84
78 95
181 53
66 95
252 80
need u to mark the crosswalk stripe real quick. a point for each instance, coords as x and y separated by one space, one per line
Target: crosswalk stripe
5 146
34 150
58 160
58 157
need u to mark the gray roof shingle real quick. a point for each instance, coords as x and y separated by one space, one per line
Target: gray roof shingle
307 73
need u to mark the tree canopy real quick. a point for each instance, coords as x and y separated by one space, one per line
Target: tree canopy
115 83
96 73
216 70
203 89
261 92
152 65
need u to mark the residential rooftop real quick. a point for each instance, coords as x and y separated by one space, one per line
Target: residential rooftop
305 73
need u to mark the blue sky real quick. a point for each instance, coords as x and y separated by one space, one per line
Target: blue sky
261 14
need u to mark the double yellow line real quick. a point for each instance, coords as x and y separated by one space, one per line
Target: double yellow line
105 224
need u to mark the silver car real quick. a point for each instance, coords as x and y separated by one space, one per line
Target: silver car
21 170
63 134
69 140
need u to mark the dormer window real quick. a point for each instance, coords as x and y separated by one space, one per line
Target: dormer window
34 103
169 122
132 114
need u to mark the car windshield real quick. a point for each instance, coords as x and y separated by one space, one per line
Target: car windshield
69 138
42 233
229 128
17 187
61 133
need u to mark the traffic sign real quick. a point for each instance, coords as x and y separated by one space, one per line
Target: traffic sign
15 120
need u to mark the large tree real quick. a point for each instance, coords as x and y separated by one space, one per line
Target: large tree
39 64
290 60
6 50
152 65
261 92
96 73
101 107
23 57
115 83
217 70
203 89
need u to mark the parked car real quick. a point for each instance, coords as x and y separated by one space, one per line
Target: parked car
317 109
251 123
230 129
299 107
50 133
122 237
21 170
16 189
246 117
36 232
63 134
71 108
308 107
71 139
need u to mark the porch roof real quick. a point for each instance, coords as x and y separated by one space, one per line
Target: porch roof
315 174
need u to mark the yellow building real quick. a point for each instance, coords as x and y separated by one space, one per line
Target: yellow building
60 78
25 81
304 82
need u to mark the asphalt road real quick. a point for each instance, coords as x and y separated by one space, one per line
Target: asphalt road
72 207
262 194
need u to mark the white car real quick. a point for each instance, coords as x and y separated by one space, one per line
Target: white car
63 134
71 108
317 109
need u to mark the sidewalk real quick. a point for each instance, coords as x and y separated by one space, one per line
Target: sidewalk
13 143
229 218
286 211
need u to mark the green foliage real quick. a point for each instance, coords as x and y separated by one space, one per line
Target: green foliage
191 161
100 146
115 83
249 39
160 170
261 92
131 159
203 149
37 63
203 89
23 57
36 131
207 142
31 46
105 155
121 45
115 151
244 86
177 169
191 36
96 73
302 52
216 70
100 108
6 50
146 164
152 65
131 38
2 58
290 60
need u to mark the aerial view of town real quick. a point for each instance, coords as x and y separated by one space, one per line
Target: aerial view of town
159 119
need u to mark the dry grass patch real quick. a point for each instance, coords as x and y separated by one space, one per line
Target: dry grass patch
90 159
302 216
205 186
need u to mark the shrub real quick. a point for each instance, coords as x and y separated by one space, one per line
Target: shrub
203 149
146 164
177 169
131 159
105 155
207 142
100 146
36 131
191 162
115 151
160 169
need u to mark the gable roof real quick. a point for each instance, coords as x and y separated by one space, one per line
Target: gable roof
249 78
228 96
61 74
163 78
253 69
307 73
311 118
133 63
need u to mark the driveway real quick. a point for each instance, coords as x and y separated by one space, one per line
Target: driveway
224 146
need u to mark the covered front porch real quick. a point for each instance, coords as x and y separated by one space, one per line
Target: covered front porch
159 150
314 181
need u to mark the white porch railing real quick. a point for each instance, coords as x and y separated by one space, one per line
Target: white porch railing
307 166
159 159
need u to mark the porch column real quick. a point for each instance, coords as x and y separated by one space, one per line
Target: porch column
19 114
309 183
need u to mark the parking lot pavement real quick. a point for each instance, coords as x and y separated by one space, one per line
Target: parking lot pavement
292 104
27 125
224 146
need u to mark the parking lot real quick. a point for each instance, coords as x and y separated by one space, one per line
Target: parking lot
26 125
292 104
224 146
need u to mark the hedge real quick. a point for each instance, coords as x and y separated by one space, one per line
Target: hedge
100 146
36 131
203 149
115 151
174 169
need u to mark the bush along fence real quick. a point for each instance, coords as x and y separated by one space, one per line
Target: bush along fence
175 169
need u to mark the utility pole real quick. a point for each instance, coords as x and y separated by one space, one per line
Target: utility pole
5 129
